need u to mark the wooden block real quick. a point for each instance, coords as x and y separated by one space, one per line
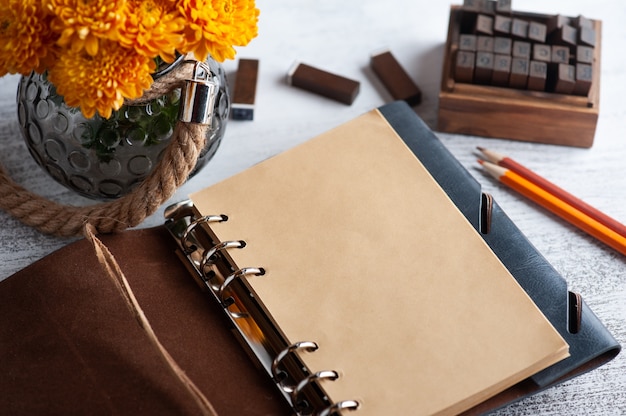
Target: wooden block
519 28
504 6
537 32
476 6
584 78
484 25
490 7
584 54
581 21
395 78
484 43
484 67
520 68
566 35
556 22
468 42
542 52
521 49
244 91
566 79
501 70
587 36
537 76
502 25
560 54
480 6
323 83
464 66
502 45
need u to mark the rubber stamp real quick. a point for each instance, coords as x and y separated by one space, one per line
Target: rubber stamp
395 78
323 83
244 92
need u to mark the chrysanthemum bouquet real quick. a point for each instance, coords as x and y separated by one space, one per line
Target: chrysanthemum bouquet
98 53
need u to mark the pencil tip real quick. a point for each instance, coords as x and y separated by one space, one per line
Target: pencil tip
480 148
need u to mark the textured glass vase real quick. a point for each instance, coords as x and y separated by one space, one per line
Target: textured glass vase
105 158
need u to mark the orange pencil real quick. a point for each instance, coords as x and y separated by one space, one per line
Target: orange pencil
507 162
557 206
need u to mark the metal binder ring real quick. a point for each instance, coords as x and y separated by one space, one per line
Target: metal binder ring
303 345
346 404
202 220
246 271
207 257
320 375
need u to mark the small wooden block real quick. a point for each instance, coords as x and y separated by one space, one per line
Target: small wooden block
501 70
584 54
520 68
468 42
502 25
584 77
556 22
521 49
502 45
537 76
484 67
560 54
464 67
519 28
542 52
395 78
323 83
474 5
504 6
484 44
566 79
244 91
587 36
484 25
537 32
566 35
489 7
581 21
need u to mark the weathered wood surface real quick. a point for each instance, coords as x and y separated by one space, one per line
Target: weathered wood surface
340 36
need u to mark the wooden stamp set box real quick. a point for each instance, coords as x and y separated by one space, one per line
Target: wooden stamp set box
521 76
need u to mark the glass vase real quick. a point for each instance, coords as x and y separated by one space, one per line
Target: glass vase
105 158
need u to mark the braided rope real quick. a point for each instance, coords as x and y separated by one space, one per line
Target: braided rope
179 159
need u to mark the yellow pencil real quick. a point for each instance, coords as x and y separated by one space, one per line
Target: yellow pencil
563 195
557 206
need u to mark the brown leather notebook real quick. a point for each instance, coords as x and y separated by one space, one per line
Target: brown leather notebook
68 344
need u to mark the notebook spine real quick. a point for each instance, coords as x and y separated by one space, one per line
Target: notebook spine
213 269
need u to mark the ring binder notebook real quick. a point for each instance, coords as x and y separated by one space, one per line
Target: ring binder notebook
361 326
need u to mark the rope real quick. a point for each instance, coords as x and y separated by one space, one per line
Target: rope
49 217
179 159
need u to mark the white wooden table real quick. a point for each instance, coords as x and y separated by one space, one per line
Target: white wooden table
339 36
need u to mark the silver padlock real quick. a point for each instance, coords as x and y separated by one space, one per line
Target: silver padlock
199 95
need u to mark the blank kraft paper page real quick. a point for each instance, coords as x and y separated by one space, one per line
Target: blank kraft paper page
367 256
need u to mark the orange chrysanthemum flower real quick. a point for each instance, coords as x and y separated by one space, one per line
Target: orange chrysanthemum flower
100 52
215 26
26 40
153 28
84 23
100 83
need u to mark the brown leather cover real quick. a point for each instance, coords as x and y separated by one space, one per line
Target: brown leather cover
69 345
